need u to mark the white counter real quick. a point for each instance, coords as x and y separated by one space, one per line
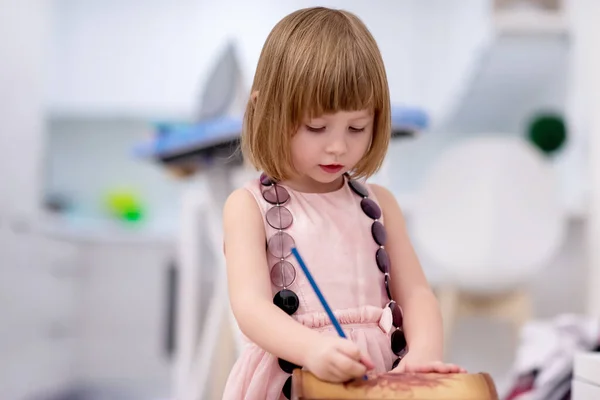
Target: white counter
586 377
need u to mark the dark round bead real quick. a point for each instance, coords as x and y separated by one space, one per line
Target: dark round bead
397 317
280 245
287 388
379 233
398 342
387 286
358 188
396 362
279 217
287 366
265 180
370 208
287 300
276 195
283 274
383 260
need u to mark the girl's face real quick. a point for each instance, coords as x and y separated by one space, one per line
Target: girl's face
326 147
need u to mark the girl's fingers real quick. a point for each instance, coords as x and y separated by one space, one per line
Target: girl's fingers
366 361
348 367
437 367
353 351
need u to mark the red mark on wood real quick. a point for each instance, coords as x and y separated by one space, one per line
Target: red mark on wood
400 382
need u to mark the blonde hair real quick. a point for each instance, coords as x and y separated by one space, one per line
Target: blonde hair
315 61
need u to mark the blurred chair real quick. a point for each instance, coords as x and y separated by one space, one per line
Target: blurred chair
490 216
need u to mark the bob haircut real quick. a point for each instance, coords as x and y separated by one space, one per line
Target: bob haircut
315 61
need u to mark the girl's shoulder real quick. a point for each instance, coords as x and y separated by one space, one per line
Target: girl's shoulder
247 195
386 200
253 187
379 192
241 206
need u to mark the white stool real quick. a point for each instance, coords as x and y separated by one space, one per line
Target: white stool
490 216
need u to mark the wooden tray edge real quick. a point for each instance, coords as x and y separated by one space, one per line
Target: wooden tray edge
297 384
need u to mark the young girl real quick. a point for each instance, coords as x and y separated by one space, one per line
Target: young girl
317 124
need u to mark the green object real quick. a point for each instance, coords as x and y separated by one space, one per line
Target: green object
133 215
125 205
548 132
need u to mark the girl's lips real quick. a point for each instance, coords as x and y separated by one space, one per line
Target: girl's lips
331 168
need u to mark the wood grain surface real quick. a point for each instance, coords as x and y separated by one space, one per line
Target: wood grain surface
480 386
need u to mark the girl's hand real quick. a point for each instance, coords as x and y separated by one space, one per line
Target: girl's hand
335 359
413 364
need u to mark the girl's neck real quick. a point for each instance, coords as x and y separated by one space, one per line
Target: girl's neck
307 185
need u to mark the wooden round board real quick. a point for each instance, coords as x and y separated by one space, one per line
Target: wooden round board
305 386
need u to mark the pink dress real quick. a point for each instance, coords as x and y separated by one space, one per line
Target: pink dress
333 236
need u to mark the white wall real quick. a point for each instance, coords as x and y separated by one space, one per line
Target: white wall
125 57
23 33
105 53
447 38
587 88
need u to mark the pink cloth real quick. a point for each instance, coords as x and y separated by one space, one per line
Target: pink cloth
333 235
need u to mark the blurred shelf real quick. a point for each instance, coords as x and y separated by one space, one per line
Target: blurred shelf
81 229
529 22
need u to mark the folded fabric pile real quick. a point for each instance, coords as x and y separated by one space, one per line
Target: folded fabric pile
543 369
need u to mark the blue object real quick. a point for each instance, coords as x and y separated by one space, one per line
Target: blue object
334 321
173 139
409 118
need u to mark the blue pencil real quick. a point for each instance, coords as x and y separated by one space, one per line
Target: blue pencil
312 282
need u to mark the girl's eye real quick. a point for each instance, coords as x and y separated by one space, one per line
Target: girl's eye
315 129
353 129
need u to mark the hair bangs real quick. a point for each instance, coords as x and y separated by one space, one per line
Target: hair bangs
338 72
339 86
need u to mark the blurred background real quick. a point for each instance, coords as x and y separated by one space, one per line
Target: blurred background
119 121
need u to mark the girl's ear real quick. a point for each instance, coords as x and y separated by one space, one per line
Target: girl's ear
254 95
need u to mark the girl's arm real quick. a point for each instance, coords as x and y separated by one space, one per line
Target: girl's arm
249 283
422 317
251 300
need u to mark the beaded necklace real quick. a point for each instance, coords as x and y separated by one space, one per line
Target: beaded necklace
283 273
